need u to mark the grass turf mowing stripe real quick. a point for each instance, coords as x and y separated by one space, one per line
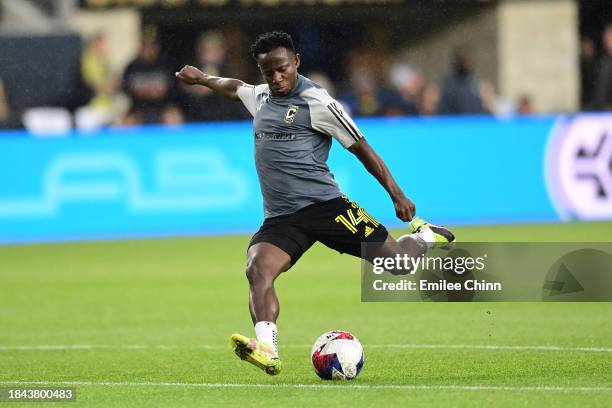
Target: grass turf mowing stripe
51 347
316 386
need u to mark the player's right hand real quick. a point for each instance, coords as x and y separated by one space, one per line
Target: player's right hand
404 208
190 75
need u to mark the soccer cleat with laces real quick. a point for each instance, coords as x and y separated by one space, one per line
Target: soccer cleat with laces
442 236
257 353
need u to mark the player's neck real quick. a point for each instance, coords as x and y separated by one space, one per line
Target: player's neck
290 93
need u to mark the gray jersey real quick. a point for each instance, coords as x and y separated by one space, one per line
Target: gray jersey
293 135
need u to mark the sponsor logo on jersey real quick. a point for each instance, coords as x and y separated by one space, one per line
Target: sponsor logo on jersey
274 136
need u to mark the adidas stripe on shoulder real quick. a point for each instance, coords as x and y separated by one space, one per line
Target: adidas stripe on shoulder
327 116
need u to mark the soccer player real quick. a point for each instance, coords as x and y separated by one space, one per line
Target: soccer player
294 123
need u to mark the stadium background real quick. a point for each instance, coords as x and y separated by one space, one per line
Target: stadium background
521 153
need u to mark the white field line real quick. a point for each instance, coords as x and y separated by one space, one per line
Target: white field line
343 386
305 346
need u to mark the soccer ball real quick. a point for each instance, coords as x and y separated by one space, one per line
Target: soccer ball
337 355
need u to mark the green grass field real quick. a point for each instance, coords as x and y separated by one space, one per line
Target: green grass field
147 323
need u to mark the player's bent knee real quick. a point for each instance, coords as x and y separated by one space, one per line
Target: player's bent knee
259 271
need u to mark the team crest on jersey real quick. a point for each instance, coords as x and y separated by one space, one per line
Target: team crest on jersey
291 112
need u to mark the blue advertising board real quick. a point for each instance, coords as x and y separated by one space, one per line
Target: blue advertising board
201 179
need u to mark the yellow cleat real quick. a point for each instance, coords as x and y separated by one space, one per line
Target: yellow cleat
257 353
443 237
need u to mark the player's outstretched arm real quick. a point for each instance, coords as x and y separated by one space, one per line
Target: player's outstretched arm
404 207
223 86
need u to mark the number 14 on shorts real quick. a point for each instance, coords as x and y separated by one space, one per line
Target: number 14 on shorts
351 221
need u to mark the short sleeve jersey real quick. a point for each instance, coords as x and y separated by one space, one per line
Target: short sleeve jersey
293 134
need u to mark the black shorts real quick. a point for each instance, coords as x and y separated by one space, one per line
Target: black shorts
338 223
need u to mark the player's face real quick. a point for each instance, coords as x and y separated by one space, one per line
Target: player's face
279 69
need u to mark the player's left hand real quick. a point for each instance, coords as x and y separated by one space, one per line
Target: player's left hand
404 208
191 75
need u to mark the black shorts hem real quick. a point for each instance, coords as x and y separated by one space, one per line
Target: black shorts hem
286 244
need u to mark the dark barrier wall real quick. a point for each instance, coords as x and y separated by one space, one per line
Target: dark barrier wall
40 70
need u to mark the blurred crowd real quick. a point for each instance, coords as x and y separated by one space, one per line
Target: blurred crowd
147 92
404 90
596 72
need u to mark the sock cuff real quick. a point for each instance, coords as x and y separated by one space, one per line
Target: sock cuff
267 332
427 235
263 323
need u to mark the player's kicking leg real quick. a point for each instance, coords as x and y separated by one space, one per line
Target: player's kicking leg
265 262
432 234
421 237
